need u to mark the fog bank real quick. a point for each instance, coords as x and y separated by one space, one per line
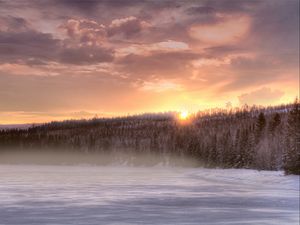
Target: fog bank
102 159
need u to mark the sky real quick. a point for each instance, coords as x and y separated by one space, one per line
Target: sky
63 59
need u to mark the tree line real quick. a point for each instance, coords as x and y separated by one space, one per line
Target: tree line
264 138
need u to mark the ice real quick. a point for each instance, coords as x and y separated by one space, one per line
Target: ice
31 194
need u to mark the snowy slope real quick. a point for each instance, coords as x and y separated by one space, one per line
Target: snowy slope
139 195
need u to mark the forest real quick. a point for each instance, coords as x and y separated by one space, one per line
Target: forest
263 138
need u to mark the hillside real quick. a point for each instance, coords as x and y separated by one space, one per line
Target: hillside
251 137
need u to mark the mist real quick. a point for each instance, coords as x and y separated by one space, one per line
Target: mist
65 157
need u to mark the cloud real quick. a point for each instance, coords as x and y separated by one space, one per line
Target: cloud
24 45
201 10
91 32
86 55
224 7
83 45
128 26
276 27
34 48
13 24
263 96
158 64
84 32
85 6
161 86
62 92
148 49
224 50
228 30
250 70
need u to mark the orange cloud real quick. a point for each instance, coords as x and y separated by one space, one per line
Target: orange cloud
127 26
226 31
87 32
147 49
261 96
161 86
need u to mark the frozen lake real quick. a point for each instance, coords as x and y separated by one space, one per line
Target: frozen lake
138 195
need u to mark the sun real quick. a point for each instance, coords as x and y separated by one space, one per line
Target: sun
184 115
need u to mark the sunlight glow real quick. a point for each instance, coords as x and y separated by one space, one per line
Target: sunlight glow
184 115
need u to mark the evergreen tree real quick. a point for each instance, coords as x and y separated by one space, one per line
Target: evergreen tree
213 154
260 126
292 152
274 123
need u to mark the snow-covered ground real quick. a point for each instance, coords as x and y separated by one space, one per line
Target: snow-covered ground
139 195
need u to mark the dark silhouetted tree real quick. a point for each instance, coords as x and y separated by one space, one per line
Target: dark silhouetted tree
292 152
